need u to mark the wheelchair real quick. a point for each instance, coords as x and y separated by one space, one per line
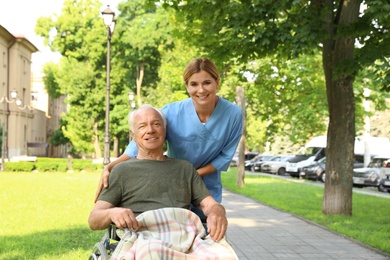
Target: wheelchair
103 249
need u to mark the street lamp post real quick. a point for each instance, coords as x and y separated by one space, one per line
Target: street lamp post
4 99
132 106
26 107
109 21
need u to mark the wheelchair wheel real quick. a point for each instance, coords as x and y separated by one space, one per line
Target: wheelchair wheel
99 252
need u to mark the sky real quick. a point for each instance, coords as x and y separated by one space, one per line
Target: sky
20 16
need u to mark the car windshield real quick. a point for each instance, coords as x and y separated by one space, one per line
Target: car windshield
322 160
267 157
256 158
285 158
377 163
309 151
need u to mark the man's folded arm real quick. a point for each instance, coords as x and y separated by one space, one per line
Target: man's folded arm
100 215
104 214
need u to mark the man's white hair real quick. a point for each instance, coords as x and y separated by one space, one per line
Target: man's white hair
132 114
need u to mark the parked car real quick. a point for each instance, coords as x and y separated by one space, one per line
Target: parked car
248 156
255 165
376 170
276 165
316 170
249 163
384 184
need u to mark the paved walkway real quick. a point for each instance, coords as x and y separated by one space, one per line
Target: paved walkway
260 232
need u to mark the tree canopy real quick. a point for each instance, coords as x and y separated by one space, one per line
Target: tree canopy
351 35
304 66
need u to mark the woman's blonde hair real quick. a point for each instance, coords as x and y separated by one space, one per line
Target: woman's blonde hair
198 65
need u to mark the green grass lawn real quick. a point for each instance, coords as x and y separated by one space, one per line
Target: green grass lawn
44 215
369 224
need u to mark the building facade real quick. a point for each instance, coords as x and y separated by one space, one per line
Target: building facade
24 108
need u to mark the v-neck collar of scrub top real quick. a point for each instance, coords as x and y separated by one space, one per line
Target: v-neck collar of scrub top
202 128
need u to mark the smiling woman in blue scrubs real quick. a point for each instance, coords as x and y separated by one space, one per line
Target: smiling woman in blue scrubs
204 129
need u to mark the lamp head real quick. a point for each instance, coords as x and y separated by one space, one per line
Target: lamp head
14 93
108 16
131 96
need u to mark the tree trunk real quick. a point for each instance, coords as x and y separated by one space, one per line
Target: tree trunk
338 51
96 143
140 77
240 97
116 147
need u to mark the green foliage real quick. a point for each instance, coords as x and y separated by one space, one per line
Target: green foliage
19 166
84 165
267 35
49 166
52 164
58 137
50 71
367 224
44 164
79 35
171 86
278 43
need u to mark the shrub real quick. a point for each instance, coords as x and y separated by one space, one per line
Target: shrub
86 165
55 165
19 166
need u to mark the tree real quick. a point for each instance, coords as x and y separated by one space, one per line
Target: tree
289 97
144 34
251 29
80 38
141 36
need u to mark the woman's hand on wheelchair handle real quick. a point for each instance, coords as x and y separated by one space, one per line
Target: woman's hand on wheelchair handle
103 182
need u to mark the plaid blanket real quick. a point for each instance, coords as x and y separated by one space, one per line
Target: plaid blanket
171 233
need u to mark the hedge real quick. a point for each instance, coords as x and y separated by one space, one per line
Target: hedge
48 166
19 166
44 164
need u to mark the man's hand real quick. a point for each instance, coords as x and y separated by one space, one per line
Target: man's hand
104 214
216 218
103 182
217 226
124 218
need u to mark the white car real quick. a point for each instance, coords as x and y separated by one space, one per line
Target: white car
377 169
276 165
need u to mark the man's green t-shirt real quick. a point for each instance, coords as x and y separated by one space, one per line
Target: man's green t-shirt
143 185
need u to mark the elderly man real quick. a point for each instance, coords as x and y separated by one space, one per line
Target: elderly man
153 181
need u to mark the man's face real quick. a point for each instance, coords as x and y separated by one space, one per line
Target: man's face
149 131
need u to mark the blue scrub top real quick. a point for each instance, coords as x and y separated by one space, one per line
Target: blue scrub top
213 142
